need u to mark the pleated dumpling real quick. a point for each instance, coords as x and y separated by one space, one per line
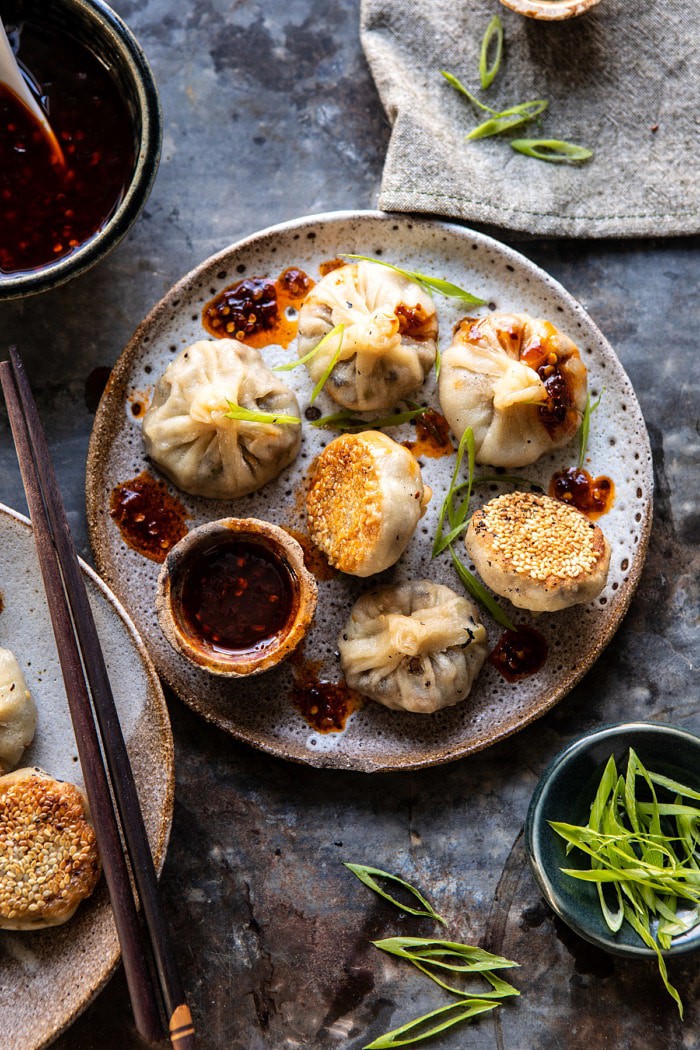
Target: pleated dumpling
414 646
190 435
17 712
518 382
389 339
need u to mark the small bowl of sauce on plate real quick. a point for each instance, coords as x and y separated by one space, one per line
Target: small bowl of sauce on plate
234 596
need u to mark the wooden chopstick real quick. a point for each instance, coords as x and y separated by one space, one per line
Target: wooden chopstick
81 657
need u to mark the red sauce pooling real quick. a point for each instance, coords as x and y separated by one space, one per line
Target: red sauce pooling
254 309
325 706
558 411
237 596
519 653
415 322
593 496
150 519
432 436
332 264
46 211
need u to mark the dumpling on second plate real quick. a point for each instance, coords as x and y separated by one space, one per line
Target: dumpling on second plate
389 341
17 712
518 382
416 646
366 496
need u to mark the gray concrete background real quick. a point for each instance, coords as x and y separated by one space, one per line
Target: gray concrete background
270 113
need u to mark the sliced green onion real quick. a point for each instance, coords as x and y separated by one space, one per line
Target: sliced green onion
463 960
433 284
584 433
247 416
368 876
459 86
466 442
480 594
312 352
494 31
339 330
507 119
555 151
351 421
415 1031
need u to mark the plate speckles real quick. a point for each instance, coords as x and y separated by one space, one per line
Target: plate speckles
260 712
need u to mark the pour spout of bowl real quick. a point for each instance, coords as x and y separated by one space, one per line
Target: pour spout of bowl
12 79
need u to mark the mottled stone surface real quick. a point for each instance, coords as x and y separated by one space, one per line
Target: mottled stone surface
270 113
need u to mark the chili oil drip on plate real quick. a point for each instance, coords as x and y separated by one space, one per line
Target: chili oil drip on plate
150 519
331 264
519 653
47 211
593 496
257 310
314 559
237 596
543 359
324 706
432 436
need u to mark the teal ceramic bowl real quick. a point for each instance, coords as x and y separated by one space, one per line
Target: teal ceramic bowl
100 29
565 793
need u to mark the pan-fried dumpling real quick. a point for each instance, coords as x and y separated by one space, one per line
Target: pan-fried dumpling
389 341
190 437
414 646
517 382
17 712
366 496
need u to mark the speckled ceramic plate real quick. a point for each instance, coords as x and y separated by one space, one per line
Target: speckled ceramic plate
260 711
47 977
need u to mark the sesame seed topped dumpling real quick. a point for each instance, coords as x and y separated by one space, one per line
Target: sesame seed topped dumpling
48 851
365 498
540 553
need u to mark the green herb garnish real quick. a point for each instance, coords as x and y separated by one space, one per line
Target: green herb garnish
480 594
247 416
369 876
456 516
447 1016
351 421
431 284
463 960
501 119
339 330
494 31
459 86
645 851
555 151
586 427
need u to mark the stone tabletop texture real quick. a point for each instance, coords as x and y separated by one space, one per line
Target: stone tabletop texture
270 113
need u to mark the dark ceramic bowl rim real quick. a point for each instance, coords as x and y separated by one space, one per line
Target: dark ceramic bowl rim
534 827
133 57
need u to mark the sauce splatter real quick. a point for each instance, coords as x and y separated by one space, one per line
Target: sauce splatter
593 496
558 411
415 322
95 385
331 264
519 653
237 596
47 211
325 706
150 519
257 310
314 559
139 400
432 436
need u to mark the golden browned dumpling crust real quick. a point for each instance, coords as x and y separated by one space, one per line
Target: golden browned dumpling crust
48 850
540 553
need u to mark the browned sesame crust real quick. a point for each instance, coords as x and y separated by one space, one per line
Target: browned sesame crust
344 502
48 851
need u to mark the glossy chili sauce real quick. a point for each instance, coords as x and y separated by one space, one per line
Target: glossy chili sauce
257 310
519 653
237 596
332 264
593 496
325 706
558 410
432 436
47 211
150 519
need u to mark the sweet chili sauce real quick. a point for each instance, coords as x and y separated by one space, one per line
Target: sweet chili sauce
237 596
519 653
48 211
257 310
593 496
150 519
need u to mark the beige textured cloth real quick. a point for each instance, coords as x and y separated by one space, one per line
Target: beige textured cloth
623 79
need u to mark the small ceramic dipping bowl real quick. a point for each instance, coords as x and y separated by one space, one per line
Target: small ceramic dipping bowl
565 794
98 29
234 596
550 10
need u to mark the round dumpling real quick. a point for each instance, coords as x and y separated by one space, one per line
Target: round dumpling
366 496
517 382
389 340
190 435
414 646
17 712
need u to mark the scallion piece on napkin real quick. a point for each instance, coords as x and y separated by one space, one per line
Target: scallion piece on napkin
493 35
555 151
368 876
507 119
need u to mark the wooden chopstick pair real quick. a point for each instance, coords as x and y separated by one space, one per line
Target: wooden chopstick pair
147 951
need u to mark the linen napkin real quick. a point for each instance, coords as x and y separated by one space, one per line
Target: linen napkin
622 79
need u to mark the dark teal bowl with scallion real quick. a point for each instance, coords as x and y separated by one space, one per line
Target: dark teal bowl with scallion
565 794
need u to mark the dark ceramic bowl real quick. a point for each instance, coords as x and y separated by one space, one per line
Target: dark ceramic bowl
96 25
565 793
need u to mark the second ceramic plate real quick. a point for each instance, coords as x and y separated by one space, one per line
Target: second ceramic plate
261 711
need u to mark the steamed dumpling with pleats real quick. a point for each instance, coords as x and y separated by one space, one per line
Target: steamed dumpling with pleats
415 646
518 382
17 712
190 435
389 339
